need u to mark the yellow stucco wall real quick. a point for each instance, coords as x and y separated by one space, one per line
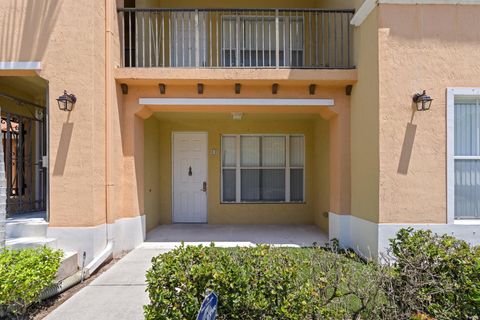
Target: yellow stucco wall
321 172
365 124
154 182
429 47
158 193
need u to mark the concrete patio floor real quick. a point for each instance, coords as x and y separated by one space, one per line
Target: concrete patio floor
169 236
119 293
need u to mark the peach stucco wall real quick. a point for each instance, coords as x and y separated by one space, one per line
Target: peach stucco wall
76 43
48 31
428 47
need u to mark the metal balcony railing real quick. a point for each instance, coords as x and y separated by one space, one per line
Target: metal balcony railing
239 38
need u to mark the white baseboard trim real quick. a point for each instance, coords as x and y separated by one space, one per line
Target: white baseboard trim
126 234
355 233
370 239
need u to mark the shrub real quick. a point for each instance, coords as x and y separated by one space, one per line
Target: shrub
438 276
24 274
261 283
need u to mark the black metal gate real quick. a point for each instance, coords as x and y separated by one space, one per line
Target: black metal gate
25 148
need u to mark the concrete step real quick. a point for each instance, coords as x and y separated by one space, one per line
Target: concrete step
30 242
26 228
68 265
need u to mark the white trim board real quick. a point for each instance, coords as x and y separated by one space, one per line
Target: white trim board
369 5
355 233
234 102
20 65
363 12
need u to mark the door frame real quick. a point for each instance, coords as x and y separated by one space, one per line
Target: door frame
173 175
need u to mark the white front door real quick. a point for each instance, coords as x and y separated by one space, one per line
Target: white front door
190 156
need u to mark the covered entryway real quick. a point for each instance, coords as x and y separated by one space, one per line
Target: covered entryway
24 143
265 169
272 159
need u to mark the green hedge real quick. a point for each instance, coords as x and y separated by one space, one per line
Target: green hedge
424 276
436 275
24 274
259 283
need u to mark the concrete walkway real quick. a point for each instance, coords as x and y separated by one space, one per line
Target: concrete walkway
119 293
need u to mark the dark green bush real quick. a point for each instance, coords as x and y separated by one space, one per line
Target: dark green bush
438 276
24 274
261 283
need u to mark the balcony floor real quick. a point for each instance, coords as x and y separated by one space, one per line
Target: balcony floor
150 76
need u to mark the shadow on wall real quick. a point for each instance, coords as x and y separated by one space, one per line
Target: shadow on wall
26 28
407 146
63 146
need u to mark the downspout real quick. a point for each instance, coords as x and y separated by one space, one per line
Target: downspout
108 251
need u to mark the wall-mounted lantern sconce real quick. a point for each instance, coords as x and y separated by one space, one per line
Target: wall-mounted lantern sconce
311 89
200 88
162 87
275 88
66 101
348 90
238 87
124 88
422 101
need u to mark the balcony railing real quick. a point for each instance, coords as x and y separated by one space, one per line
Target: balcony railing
240 38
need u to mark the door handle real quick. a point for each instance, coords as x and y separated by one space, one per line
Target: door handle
204 188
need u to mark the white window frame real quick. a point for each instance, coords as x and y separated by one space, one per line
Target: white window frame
451 94
238 168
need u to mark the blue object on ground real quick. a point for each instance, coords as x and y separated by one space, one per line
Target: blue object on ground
208 310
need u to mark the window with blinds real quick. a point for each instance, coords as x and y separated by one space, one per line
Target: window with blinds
263 168
467 158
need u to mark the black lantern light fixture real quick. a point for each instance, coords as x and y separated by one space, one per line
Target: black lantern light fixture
66 101
422 101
